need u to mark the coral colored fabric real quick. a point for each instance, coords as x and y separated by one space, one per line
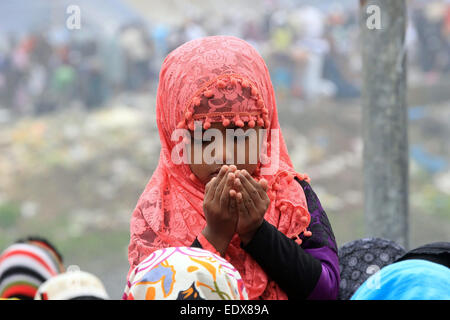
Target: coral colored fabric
169 212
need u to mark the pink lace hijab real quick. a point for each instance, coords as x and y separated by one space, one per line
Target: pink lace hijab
219 78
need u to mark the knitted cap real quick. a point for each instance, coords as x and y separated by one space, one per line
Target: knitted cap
361 258
72 285
23 268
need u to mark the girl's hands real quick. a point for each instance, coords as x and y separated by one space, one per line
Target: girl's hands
219 206
252 203
233 202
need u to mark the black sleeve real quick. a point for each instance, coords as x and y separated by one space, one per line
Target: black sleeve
196 244
294 270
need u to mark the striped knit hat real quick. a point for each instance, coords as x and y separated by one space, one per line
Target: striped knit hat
25 266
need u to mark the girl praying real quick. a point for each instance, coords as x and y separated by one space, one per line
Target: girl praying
261 216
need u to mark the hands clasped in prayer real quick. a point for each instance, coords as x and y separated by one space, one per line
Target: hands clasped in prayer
234 203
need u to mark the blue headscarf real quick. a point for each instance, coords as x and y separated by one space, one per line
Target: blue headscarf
407 280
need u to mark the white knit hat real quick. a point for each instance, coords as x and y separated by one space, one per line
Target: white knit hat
72 285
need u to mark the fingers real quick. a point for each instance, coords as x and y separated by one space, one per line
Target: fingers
263 194
232 201
257 185
211 186
237 184
242 209
225 196
244 195
260 186
240 205
263 184
222 176
249 185
221 187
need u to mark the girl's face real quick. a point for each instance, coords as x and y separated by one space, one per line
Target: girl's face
217 151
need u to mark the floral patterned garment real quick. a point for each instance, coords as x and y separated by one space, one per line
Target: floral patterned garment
183 273
361 258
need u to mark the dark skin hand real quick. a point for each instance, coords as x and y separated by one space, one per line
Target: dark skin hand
252 203
234 203
219 206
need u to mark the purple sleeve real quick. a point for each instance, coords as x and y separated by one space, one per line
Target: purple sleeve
328 285
322 246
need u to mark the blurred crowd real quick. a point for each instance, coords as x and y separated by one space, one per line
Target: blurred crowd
310 53
39 75
429 37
